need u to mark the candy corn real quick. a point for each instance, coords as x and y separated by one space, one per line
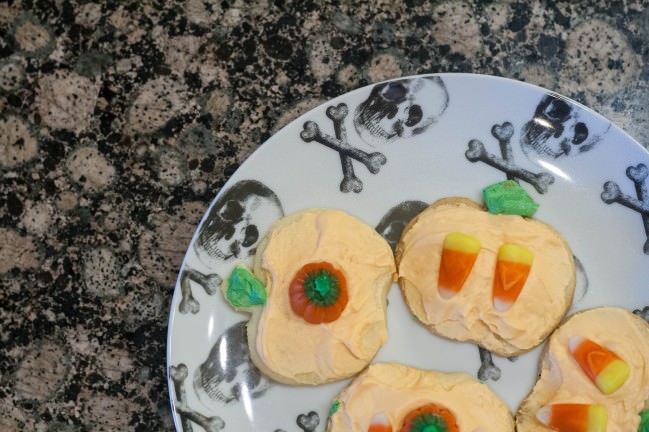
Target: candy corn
574 417
380 423
604 368
458 256
512 268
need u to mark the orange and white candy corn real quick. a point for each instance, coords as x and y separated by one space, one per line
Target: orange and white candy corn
574 417
604 368
512 268
458 256
380 423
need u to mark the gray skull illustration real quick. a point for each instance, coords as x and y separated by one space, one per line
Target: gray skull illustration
236 221
400 109
228 375
395 220
557 130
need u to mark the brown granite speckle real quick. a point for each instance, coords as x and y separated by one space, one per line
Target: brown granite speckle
101 273
160 257
66 100
323 59
89 168
88 14
158 100
12 74
31 36
17 143
384 66
456 27
17 251
38 217
15 419
600 58
42 371
217 104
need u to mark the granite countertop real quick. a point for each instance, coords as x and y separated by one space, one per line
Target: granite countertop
120 121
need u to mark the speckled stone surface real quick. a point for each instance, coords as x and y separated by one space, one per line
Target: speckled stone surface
120 121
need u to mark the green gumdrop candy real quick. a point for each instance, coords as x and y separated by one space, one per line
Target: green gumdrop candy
244 289
508 197
644 421
334 407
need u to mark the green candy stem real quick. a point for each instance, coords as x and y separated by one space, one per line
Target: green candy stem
508 197
644 421
321 288
334 407
244 289
429 423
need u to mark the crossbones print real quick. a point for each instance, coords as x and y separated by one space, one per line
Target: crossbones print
340 143
210 283
613 194
187 415
503 133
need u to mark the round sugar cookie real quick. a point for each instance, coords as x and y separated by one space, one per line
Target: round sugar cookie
326 276
394 397
596 364
503 282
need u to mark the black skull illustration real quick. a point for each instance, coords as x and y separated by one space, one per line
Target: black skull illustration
395 220
236 221
557 130
228 375
400 109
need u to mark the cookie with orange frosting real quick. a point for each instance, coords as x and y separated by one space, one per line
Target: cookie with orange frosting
502 281
594 375
317 294
390 397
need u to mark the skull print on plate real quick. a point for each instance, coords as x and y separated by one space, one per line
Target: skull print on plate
228 374
400 109
395 220
557 129
236 221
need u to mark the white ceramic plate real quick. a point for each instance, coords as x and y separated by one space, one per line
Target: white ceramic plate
422 126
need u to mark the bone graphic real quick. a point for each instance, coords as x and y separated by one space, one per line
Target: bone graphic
178 375
638 175
187 302
503 133
372 161
308 422
488 370
613 194
477 152
210 283
350 182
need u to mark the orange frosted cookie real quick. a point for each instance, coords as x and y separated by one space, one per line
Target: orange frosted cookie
594 375
389 397
501 281
317 295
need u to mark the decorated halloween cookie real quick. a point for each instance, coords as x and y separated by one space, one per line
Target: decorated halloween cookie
390 397
594 376
317 294
503 281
